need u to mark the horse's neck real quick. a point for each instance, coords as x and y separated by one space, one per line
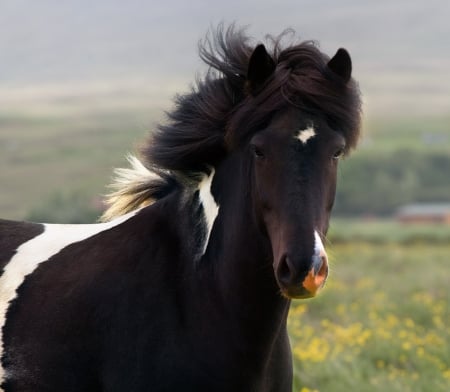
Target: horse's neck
240 261
230 290
247 299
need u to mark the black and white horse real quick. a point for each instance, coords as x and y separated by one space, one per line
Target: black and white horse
187 285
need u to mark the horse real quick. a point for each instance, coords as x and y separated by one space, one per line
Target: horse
187 282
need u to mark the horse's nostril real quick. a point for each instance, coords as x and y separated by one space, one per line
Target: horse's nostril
286 271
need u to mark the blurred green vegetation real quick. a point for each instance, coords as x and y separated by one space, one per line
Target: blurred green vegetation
65 207
52 161
378 182
399 161
377 231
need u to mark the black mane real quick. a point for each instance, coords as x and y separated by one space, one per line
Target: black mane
219 113
207 121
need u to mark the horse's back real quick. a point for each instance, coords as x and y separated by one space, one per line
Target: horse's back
13 234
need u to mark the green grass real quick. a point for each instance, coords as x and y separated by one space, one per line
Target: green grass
381 323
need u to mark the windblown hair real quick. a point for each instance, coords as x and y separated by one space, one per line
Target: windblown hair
219 113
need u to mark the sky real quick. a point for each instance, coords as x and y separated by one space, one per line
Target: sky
400 48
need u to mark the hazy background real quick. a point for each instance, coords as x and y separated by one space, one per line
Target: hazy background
401 49
81 82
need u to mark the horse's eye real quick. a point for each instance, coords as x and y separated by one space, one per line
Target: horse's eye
339 153
257 152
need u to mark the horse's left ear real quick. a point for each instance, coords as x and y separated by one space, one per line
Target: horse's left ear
260 67
341 64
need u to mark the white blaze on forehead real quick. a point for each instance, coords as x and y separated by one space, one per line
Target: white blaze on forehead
210 207
305 134
38 250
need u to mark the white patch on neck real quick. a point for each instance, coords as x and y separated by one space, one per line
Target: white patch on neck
210 207
36 251
305 134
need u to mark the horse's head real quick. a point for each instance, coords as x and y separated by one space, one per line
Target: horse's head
294 170
294 167
285 118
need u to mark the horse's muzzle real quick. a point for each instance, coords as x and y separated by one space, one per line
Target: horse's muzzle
315 279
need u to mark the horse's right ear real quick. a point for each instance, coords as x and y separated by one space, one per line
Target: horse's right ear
341 64
260 67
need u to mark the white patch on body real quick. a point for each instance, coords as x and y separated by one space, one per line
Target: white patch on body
305 134
210 207
38 250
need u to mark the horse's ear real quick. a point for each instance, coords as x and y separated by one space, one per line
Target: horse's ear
341 64
260 67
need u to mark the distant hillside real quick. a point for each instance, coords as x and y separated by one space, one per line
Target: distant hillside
56 161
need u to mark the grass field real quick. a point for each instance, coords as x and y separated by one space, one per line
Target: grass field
382 322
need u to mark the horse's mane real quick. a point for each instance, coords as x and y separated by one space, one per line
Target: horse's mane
219 113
